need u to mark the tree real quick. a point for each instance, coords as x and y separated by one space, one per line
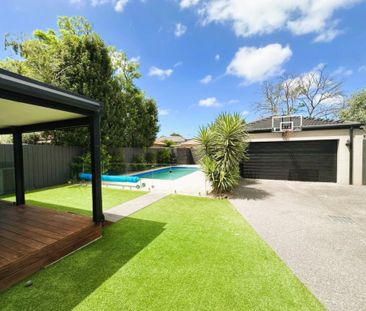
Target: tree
75 58
168 143
223 147
356 108
314 94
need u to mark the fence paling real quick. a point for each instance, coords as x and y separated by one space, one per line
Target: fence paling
44 165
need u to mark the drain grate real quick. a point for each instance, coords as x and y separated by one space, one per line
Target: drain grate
341 219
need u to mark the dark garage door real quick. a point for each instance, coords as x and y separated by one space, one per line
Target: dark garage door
300 160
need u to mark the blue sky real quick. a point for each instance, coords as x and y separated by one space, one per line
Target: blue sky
199 58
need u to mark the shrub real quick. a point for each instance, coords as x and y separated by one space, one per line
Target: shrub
164 156
138 162
223 147
82 164
150 157
168 143
117 165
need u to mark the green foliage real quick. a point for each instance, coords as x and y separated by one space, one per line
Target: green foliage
223 146
356 108
83 163
168 143
164 156
6 139
31 138
75 58
150 157
138 162
105 160
117 165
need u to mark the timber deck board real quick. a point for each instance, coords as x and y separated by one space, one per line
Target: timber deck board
33 237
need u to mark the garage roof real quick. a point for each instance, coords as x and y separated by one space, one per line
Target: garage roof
265 124
29 104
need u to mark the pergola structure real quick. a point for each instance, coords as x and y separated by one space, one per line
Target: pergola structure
27 105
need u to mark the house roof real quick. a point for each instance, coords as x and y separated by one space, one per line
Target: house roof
158 143
175 138
265 124
189 143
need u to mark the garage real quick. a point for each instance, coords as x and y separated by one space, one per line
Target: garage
292 160
306 149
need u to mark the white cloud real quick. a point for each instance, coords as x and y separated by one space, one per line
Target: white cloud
329 34
248 17
244 113
362 68
180 29
233 101
160 73
188 3
178 64
217 57
342 71
209 102
164 112
206 80
257 64
77 3
98 2
120 5
134 59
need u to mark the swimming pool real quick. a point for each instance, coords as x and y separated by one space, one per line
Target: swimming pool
168 173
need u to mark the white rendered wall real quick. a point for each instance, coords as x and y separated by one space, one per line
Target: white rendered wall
342 135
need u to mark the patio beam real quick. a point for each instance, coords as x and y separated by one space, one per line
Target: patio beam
47 126
94 129
18 168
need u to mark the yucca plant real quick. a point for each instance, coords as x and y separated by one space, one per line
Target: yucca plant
223 147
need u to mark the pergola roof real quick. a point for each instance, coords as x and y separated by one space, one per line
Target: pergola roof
27 105
30 105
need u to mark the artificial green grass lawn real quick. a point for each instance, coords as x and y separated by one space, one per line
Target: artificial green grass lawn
180 253
76 198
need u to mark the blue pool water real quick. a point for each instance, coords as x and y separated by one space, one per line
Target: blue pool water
168 173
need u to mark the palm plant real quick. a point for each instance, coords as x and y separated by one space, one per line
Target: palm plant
223 147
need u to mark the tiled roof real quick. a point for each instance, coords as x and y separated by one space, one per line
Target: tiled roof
266 124
174 138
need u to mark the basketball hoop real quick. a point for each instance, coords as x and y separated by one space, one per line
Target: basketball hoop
285 124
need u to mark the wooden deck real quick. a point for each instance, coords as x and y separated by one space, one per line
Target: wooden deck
32 238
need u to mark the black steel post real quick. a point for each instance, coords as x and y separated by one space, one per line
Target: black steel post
98 216
18 168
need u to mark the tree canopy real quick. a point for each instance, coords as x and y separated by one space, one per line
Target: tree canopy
75 58
356 108
314 94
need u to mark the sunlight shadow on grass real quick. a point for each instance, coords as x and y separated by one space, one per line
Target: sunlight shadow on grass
66 284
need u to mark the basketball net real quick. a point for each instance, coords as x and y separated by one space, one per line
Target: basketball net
286 135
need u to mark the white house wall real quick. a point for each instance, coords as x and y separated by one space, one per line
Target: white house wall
342 135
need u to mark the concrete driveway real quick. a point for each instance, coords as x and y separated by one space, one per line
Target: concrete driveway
318 229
